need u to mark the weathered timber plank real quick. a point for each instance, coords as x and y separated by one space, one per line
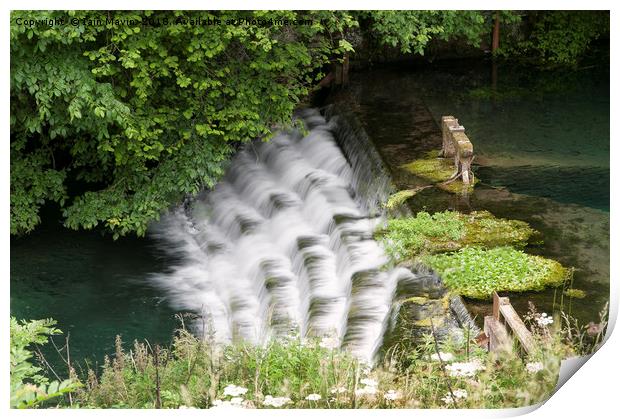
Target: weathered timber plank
518 327
498 336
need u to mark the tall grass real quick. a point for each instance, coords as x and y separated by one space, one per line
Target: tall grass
295 372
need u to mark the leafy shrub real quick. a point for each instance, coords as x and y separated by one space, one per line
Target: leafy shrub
559 37
143 114
29 388
475 272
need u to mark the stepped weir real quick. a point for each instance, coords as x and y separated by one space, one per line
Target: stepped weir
285 242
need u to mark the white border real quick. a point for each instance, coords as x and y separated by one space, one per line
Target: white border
592 392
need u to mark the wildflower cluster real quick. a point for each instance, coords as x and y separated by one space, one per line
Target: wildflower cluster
275 401
458 394
369 389
544 320
234 392
464 369
328 342
534 367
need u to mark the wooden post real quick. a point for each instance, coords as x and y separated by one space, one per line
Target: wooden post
524 336
503 309
345 69
457 145
495 306
498 336
447 124
495 43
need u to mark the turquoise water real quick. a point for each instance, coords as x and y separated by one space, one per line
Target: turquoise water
544 134
94 287
541 140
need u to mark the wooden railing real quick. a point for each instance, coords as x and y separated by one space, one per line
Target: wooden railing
505 318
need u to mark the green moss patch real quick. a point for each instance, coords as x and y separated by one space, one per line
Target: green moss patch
476 272
405 238
575 293
437 170
484 229
431 167
400 197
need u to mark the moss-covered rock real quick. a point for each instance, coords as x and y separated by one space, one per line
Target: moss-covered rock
476 272
405 238
437 170
420 316
400 197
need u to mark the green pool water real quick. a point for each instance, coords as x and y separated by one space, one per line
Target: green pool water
541 140
540 133
93 286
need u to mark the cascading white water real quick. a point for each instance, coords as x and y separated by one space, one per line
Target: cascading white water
284 240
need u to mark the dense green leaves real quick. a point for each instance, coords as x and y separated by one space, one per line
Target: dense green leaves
559 37
412 30
29 388
410 237
145 114
477 272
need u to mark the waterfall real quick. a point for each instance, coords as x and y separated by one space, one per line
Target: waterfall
285 240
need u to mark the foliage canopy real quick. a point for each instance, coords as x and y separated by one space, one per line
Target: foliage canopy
121 115
142 115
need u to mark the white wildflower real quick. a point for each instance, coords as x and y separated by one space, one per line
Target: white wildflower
464 369
223 404
275 401
329 343
338 390
459 393
391 395
366 391
534 367
369 382
445 356
544 319
236 401
233 390
313 397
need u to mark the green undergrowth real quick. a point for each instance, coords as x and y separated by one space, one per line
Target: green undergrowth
405 238
476 272
437 170
304 373
299 372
